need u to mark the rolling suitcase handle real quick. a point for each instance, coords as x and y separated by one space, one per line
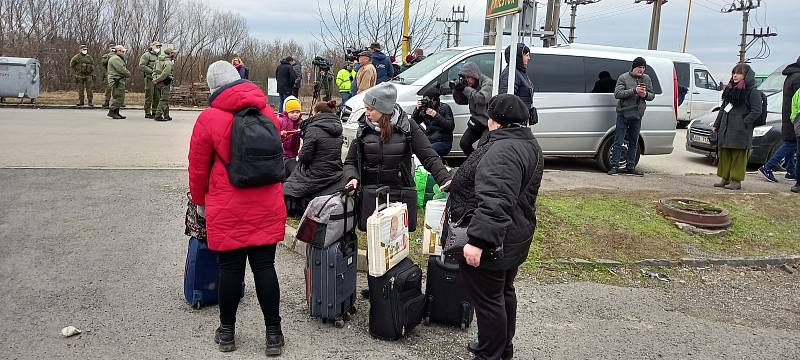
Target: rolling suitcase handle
353 245
378 192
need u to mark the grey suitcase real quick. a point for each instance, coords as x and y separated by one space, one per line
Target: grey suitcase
331 280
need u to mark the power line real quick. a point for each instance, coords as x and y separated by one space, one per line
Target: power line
458 16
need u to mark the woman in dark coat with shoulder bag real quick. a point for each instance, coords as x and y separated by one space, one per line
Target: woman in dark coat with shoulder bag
319 164
741 107
380 155
494 195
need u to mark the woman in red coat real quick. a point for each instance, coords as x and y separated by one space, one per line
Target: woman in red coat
242 222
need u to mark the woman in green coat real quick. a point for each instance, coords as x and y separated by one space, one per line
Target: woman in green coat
741 107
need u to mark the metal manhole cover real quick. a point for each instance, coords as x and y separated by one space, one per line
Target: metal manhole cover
694 212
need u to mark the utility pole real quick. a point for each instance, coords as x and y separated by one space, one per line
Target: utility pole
457 17
655 22
552 22
744 7
160 21
686 30
573 4
406 35
447 28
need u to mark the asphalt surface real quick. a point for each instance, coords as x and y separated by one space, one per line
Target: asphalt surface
103 250
87 138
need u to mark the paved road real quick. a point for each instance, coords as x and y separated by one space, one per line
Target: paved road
86 138
103 250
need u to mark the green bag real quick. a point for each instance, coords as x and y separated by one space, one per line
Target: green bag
427 189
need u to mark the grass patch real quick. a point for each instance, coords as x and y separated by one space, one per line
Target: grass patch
628 228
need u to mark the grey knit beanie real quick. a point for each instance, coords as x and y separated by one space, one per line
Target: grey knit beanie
382 97
221 73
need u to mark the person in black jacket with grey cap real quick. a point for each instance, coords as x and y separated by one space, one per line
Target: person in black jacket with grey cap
495 192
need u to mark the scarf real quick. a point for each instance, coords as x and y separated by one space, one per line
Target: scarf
377 128
735 93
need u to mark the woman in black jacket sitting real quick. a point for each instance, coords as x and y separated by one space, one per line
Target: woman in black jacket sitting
319 165
495 192
380 154
438 120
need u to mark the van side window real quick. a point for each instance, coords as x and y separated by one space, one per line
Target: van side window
485 62
556 73
595 67
704 80
684 79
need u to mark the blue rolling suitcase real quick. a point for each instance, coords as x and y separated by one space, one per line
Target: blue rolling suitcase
201 275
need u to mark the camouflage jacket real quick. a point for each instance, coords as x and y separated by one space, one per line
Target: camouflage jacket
147 63
117 69
163 69
82 66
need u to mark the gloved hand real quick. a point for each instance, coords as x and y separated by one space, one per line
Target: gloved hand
201 211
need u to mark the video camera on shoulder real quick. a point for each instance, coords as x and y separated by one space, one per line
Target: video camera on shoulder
322 63
351 53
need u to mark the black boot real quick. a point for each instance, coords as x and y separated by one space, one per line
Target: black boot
158 118
110 113
274 340
115 114
225 338
148 116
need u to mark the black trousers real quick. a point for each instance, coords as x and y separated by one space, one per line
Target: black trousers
494 298
473 133
231 275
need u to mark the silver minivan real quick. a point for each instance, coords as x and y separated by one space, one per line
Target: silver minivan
575 118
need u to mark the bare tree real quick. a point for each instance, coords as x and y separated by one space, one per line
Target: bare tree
358 23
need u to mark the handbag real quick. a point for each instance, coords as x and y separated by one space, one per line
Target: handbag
195 224
456 237
533 116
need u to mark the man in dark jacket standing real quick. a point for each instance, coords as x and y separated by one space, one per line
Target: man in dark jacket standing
473 89
788 148
298 80
498 184
285 77
790 87
382 63
523 87
634 89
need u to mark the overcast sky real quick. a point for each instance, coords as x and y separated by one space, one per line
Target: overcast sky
713 36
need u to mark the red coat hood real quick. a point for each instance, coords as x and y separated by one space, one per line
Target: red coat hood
238 95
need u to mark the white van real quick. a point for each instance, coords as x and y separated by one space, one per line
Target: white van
573 120
698 92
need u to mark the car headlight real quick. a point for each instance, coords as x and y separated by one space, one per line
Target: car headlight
761 130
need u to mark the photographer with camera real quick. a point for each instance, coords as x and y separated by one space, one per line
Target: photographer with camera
438 120
472 88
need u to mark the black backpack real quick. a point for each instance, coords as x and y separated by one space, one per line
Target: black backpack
256 150
762 119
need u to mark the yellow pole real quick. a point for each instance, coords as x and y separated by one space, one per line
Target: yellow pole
406 40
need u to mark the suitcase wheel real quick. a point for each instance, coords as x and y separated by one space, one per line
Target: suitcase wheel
352 310
463 326
197 305
339 323
426 321
346 316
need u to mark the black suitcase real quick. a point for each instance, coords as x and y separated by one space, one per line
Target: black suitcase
331 280
445 299
396 301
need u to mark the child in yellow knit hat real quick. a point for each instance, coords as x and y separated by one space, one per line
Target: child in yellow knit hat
290 133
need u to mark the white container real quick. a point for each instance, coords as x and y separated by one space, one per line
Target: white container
387 238
434 221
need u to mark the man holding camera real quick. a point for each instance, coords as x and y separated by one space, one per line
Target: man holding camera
438 120
344 80
633 90
472 88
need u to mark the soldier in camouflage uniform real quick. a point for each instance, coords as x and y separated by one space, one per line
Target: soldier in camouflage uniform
147 63
104 62
83 68
162 80
117 75
326 85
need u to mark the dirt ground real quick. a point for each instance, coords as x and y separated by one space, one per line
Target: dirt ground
103 250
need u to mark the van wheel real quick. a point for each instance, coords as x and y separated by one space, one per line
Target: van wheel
604 155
